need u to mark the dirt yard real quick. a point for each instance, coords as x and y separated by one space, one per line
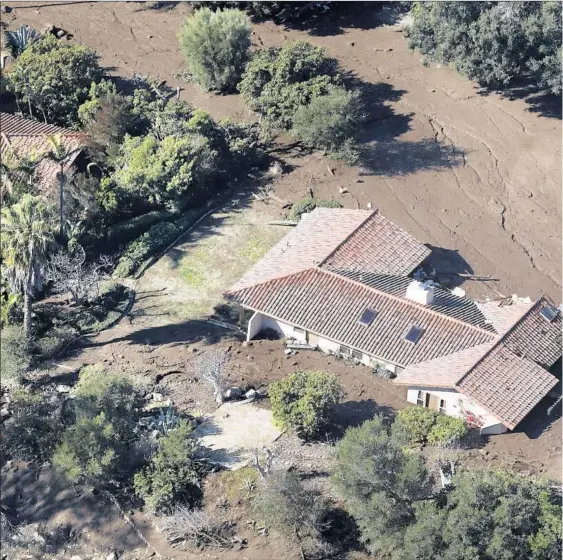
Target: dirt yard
477 177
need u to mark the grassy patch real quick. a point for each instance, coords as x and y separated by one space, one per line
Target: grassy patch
240 484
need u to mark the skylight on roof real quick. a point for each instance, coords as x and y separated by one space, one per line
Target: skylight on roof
414 334
549 313
367 317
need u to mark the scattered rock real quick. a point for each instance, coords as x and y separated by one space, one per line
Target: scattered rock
111 556
483 452
4 413
157 397
351 43
150 36
250 394
288 351
63 389
388 49
275 169
60 33
75 557
233 393
5 9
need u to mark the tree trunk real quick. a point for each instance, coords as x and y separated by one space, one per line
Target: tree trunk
27 314
61 194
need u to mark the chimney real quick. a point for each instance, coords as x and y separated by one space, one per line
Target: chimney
420 293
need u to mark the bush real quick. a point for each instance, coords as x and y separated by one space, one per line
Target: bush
53 78
33 430
15 358
194 526
215 45
302 401
330 122
493 43
240 484
447 430
286 507
278 81
308 205
417 421
174 473
116 396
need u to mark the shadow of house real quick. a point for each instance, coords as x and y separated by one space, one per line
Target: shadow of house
447 264
352 414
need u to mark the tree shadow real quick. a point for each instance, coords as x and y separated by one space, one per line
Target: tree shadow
352 414
334 21
539 100
447 265
157 6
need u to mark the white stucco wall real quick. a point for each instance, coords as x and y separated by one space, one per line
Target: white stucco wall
259 322
458 405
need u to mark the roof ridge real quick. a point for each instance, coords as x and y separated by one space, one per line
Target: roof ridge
361 224
408 302
499 342
272 279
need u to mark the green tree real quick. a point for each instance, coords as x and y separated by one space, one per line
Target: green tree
303 399
26 237
493 43
380 482
52 78
174 474
278 81
215 45
331 122
17 174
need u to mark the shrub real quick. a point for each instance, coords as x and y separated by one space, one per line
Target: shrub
15 358
302 401
215 45
278 81
417 421
53 78
91 452
116 396
447 430
308 205
240 484
33 430
194 526
286 507
158 237
328 122
174 473
244 144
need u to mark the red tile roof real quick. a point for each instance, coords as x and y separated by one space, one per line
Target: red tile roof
23 137
330 305
378 246
506 385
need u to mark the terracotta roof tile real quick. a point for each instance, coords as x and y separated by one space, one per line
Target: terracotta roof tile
305 246
322 302
506 385
378 246
444 371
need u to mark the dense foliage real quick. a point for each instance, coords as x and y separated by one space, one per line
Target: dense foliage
331 122
423 425
50 79
278 81
215 45
482 515
303 399
174 473
493 43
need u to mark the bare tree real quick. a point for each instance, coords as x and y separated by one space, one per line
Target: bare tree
264 469
211 366
69 272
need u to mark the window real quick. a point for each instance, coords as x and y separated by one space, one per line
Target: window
367 317
420 400
299 331
357 355
345 351
549 313
414 334
442 406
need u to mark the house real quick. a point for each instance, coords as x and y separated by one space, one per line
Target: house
341 281
26 138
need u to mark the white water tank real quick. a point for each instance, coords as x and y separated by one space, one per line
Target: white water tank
421 293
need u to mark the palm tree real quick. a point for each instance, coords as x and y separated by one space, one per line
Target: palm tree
26 235
17 171
60 154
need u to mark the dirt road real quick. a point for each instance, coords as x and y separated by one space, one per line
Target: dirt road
476 176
